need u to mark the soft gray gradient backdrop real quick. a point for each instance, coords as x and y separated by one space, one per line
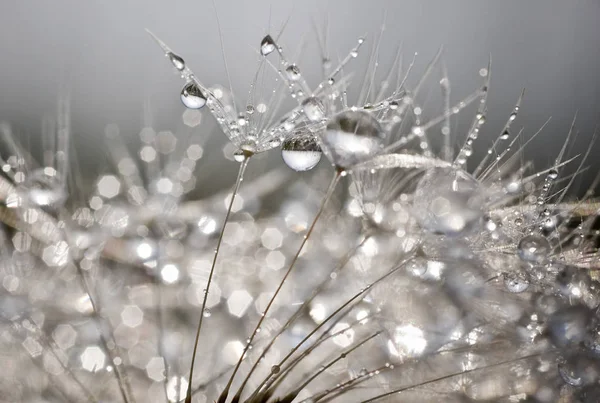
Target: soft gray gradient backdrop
101 51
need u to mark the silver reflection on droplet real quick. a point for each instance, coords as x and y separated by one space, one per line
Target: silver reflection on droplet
301 152
192 97
267 45
176 60
292 72
533 248
313 109
42 187
448 202
352 137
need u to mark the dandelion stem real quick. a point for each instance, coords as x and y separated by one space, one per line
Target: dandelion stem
238 182
300 309
268 381
336 177
332 362
441 378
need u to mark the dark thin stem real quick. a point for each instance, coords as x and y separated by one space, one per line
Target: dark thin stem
326 335
336 177
269 381
296 314
332 362
441 378
346 386
238 182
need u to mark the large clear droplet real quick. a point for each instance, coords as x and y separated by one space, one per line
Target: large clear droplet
533 248
352 137
176 60
267 45
42 187
313 109
192 97
301 152
448 202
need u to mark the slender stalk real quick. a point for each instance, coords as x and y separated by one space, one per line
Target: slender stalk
268 381
238 182
300 309
441 378
334 181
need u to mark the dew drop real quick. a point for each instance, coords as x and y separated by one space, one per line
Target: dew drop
448 201
569 375
516 282
176 60
192 97
42 187
207 313
239 156
533 248
292 72
301 152
352 137
505 135
313 109
553 174
267 45
571 325
275 369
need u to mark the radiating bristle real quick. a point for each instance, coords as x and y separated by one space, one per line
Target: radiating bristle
410 269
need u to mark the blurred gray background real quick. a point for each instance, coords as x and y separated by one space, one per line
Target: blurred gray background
101 52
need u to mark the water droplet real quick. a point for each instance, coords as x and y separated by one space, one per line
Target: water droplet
275 369
176 60
516 282
42 187
192 97
571 325
301 152
207 313
505 135
239 156
267 45
249 109
352 137
448 201
313 109
569 375
553 174
292 72
393 105
354 53
533 248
